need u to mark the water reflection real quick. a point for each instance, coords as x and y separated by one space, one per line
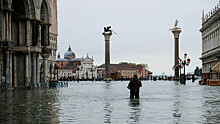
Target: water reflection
107 107
177 104
211 105
108 111
99 102
135 113
29 107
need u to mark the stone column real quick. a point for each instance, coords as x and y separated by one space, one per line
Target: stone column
7 78
34 68
45 65
107 55
15 70
176 32
37 69
6 24
27 77
28 23
1 68
45 59
11 68
19 34
38 35
9 26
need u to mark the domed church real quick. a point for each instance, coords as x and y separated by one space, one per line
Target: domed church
72 67
69 54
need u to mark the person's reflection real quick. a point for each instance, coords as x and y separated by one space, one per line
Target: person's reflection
108 111
135 112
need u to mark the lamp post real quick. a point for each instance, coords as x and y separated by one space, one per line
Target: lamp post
184 63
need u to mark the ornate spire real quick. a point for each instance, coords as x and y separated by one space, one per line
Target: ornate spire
203 17
69 48
58 56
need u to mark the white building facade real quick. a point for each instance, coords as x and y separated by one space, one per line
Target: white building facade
211 43
86 70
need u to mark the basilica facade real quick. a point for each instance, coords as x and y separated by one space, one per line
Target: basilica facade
28 41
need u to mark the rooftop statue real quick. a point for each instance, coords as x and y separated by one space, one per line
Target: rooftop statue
176 24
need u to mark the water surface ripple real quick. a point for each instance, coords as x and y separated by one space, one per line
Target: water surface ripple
164 102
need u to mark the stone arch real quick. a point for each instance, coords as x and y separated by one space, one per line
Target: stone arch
21 8
32 9
45 12
5 4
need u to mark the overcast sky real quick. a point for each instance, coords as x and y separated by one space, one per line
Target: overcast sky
142 28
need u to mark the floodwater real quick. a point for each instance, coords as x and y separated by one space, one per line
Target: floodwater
161 102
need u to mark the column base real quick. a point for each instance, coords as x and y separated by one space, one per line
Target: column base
107 79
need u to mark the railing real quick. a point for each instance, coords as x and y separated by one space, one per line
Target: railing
41 85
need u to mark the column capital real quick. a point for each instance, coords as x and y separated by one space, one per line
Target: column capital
34 54
107 35
45 56
176 32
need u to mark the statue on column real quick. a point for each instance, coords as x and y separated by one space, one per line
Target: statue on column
176 24
108 29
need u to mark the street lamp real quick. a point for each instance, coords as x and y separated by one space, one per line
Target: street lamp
183 64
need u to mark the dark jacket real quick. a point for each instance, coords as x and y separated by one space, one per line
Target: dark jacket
134 85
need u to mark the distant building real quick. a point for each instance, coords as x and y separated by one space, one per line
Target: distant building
124 70
69 66
210 44
86 70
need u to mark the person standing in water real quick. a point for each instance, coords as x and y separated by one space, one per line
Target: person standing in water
134 86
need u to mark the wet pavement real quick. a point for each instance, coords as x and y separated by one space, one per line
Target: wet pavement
164 102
